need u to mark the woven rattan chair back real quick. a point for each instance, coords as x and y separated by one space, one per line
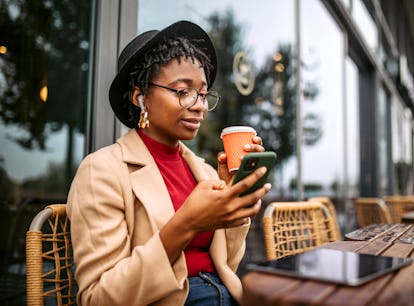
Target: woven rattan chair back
331 207
398 206
49 259
294 227
371 211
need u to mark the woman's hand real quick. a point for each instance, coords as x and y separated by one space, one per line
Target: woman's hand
223 170
212 205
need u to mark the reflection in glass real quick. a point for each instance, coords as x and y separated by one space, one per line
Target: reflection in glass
334 266
347 3
44 66
382 128
264 35
322 56
44 90
365 24
401 149
352 128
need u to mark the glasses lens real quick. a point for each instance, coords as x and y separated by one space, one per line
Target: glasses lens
188 97
212 99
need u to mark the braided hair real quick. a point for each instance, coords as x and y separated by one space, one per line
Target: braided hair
153 59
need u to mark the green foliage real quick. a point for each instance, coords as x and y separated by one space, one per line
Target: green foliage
47 46
270 108
226 36
273 115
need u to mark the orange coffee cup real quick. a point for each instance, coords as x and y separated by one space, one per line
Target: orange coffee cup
234 138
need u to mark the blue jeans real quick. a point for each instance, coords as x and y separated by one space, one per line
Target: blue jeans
206 289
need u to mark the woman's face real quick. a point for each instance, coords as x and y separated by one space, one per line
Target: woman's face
169 121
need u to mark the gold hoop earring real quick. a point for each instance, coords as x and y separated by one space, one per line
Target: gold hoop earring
143 117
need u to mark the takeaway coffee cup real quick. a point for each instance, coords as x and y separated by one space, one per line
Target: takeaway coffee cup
234 138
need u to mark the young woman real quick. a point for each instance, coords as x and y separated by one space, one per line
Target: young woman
151 223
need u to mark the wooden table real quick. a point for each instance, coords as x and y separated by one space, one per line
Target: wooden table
393 289
408 217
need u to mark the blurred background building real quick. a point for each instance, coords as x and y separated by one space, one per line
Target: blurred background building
328 84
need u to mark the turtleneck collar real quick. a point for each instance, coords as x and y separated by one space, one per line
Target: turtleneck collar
159 150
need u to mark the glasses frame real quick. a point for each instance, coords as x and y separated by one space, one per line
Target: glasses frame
179 93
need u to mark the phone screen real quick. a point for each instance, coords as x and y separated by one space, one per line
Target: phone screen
341 267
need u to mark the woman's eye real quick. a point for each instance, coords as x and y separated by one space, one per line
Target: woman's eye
184 92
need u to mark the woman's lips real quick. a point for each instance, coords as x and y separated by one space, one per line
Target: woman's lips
192 123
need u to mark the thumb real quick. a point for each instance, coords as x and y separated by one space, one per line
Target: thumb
222 162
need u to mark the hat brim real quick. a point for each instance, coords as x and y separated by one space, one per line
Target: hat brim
120 84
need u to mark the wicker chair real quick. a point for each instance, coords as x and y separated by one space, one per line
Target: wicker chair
398 206
371 211
295 227
331 207
49 259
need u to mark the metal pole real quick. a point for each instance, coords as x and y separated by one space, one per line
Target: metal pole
299 129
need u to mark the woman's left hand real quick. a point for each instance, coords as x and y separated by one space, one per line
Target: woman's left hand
223 170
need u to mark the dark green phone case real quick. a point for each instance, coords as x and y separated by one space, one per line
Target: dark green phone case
251 162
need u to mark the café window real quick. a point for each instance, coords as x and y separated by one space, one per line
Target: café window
383 120
401 129
365 24
352 130
323 151
45 51
256 73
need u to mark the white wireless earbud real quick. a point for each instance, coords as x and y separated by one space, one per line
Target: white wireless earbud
141 101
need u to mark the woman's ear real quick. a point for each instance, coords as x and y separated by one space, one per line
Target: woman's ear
136 93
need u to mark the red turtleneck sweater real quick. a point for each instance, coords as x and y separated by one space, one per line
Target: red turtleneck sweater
180 183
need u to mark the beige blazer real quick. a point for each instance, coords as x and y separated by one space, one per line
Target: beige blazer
117 204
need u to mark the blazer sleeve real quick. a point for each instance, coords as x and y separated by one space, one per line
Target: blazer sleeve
235 237
108 270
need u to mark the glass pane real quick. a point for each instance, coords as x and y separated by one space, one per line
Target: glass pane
261 39
365 23
323 103
408 118
352 159
352 129
401 148
44 70
346 3
267 100
382 120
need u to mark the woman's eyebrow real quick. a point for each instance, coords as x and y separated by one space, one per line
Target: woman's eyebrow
187 81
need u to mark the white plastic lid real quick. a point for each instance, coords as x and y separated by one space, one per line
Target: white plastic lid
237 128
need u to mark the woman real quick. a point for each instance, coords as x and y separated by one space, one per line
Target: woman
152 223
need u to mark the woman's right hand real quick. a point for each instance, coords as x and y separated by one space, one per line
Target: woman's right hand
213 204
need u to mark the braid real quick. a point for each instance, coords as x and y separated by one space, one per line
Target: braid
152 61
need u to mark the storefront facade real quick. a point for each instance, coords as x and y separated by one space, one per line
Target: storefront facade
327 84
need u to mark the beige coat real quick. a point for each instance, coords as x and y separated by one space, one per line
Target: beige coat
117 205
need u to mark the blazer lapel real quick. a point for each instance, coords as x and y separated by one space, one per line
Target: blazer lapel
146 180
195 163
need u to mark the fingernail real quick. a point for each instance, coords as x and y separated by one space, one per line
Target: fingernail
267 186
247 147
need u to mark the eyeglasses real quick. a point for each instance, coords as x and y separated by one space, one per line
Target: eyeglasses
188 96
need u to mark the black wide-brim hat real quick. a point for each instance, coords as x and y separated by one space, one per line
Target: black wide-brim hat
133 52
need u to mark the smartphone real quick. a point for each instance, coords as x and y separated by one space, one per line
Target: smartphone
250 163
